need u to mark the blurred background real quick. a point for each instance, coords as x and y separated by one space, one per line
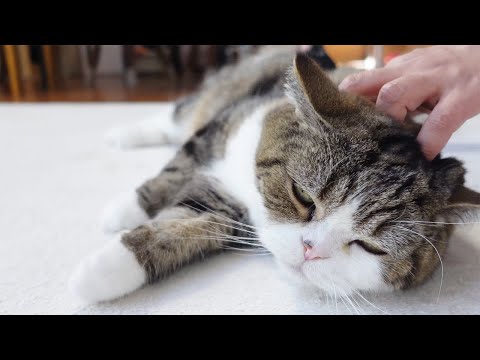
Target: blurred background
37 73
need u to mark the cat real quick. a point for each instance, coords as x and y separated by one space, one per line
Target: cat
275 157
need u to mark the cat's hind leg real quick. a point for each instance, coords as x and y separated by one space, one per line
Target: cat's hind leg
158 129
170 126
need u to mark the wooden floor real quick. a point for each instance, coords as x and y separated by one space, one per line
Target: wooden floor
107 88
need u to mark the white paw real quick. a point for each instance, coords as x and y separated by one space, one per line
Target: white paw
107 274
123 213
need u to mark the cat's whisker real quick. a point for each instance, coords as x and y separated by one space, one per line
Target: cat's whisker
344 303
227 225
246 240
200 237
250 255
221 215
362 312
226 238
370 303
434 223
350 301
336 300
335 294
258 249
436 250
245 251
218 236
212 222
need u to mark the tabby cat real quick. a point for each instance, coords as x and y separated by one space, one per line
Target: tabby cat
275 156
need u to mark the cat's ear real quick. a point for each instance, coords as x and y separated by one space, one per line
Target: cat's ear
312 92
448 175
463 203
464 206
464 195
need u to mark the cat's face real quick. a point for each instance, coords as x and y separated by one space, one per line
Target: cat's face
349 194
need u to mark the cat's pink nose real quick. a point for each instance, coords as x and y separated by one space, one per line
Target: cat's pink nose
313 252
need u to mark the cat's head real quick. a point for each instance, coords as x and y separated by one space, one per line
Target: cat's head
352 204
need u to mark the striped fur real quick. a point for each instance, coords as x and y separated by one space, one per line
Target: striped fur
365 173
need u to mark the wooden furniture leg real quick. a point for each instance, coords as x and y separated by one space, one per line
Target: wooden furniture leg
26 69
89 58
12 68
49 66
128 61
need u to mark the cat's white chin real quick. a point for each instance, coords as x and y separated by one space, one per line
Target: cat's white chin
311 276
294 275
107 274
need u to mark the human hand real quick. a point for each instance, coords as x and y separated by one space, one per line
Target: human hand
445 79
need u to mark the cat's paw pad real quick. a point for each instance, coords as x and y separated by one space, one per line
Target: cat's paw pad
107 274
123 213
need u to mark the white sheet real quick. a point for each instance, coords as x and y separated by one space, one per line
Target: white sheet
57 174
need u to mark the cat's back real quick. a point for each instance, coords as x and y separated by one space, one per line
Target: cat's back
259 75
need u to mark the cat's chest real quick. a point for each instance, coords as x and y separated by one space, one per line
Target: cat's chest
236 170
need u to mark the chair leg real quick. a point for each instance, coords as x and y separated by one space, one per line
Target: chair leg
130 76
49 66
176 59
164 56
93 57
89 58
12 68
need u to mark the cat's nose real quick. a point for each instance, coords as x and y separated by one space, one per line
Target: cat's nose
313 251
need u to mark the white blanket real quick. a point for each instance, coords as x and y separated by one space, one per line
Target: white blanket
57 174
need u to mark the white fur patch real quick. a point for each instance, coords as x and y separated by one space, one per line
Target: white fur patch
236 171
332 232
347 269
107 274
159 129
123 213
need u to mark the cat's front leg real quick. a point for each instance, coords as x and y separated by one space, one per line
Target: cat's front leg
176 237
131 209
109 273
125 212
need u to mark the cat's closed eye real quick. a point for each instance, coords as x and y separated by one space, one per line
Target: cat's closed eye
368 247
301 195
303 200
